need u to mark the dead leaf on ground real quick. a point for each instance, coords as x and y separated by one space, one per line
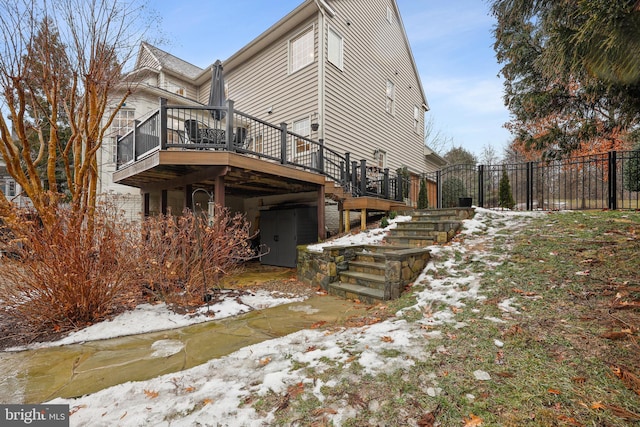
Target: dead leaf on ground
321 411
318 324
524 293
265 361
386 339
630 380
553 391
622 305
206 402
429 419
616 335
473 421
623 413
513 330
151 394
283 403
570 420
76 408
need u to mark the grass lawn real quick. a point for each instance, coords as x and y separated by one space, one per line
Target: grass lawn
553 341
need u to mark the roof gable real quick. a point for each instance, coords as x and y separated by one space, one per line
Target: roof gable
155 58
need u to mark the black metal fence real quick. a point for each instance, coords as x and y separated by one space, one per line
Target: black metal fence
601 181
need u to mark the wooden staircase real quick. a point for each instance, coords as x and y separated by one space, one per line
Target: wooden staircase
374 273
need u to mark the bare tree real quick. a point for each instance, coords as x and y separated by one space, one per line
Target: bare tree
435 139
489 155
59 63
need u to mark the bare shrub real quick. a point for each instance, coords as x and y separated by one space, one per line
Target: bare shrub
186 256
64 276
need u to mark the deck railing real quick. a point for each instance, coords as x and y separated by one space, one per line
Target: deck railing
178 127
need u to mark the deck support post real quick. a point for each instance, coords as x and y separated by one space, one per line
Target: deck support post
363 219
164 200
188 197
219 191
322 233
146 199
347 221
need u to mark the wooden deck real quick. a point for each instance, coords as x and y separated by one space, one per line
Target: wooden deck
243 175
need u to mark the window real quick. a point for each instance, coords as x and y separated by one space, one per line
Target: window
389 15
390 97
380 158
10 188
335 48
301 51
258 146
416 118
302 128
123 122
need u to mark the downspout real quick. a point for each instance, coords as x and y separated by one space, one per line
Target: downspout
321 193
321 61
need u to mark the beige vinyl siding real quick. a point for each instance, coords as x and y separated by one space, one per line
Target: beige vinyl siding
147 60
265 82
355 116
172 84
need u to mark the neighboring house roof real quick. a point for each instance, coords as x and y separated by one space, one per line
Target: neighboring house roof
166 62
434 157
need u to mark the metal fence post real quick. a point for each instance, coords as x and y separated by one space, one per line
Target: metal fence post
481 186
321 155
347 165
439 189
529 190
354 176
163 124
283 143
363 176
229 130
136 125
613 177
385 184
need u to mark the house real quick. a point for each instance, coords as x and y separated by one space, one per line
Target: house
325 111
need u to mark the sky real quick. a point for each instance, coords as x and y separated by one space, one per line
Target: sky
451 43
215 391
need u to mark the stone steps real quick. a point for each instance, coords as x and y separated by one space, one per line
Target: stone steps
375 273
364 294
375 268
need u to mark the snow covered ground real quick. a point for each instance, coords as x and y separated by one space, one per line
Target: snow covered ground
158 317
213 393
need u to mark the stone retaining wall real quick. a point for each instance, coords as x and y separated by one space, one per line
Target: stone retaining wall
402 266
